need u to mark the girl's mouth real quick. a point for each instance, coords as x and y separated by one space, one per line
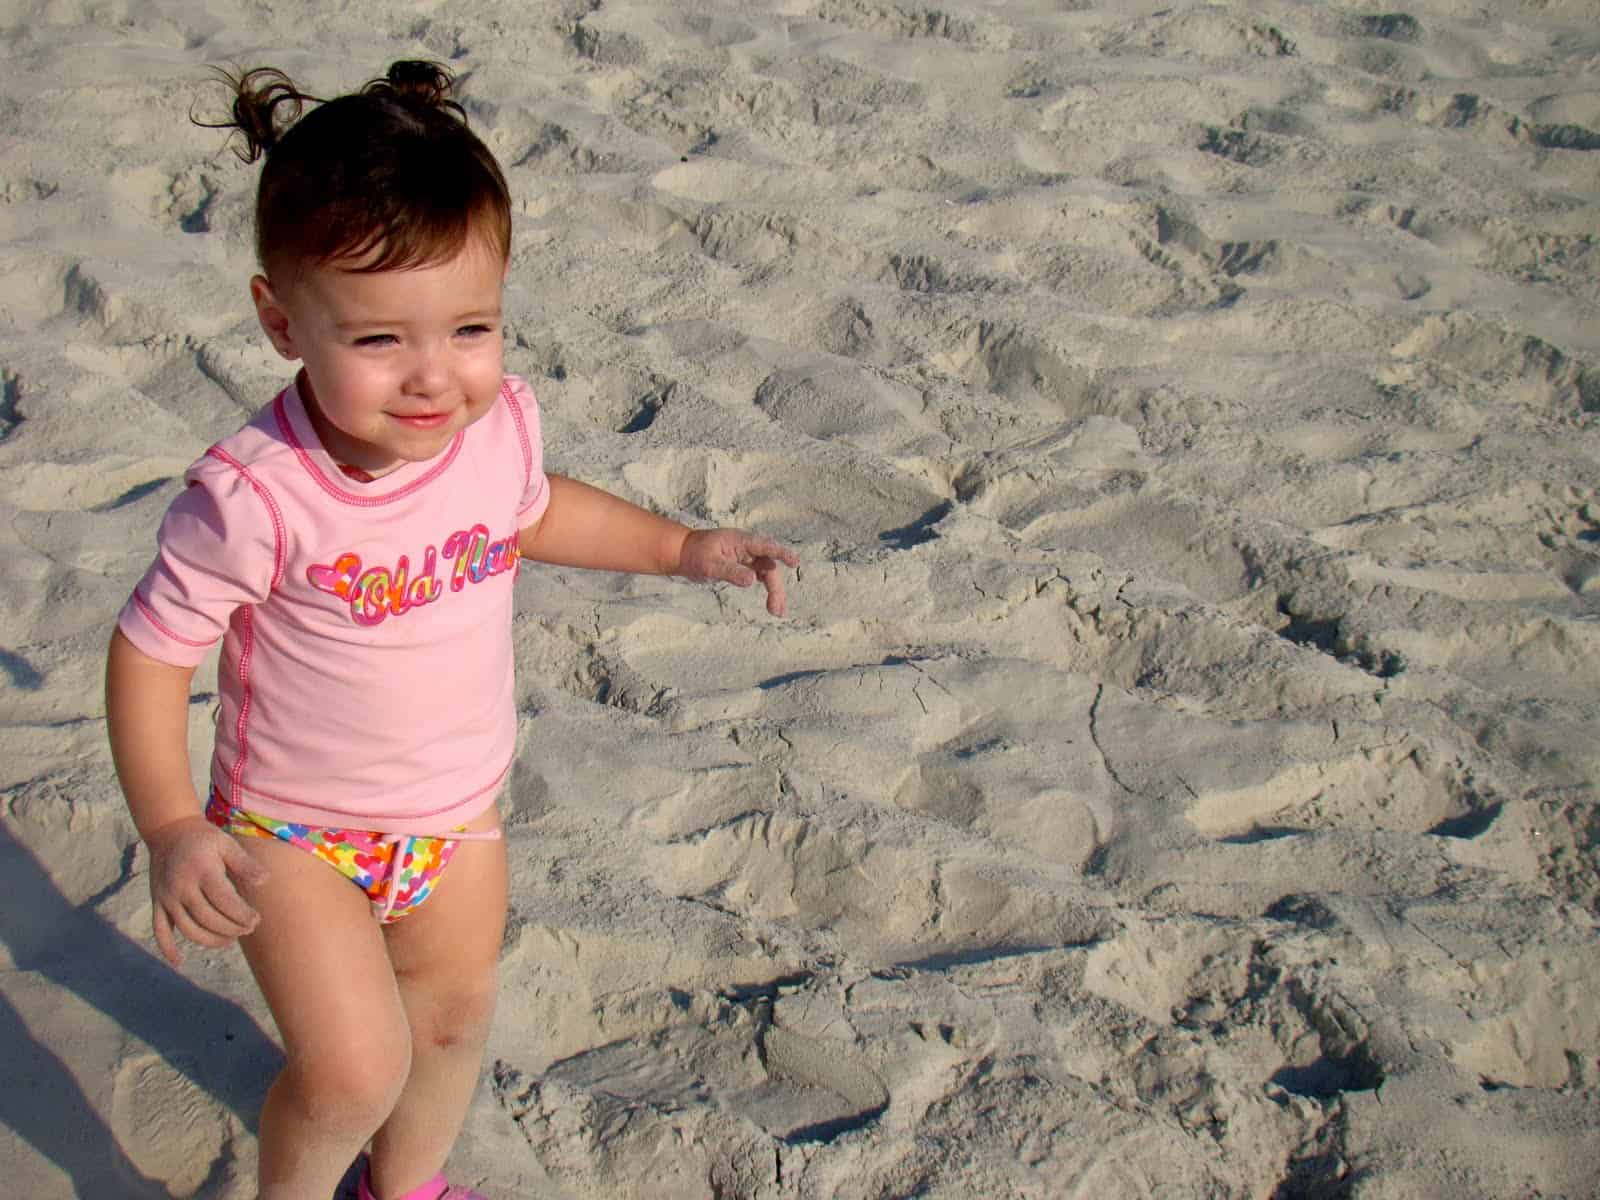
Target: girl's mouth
423 420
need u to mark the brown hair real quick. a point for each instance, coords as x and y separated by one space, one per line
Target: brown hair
386 178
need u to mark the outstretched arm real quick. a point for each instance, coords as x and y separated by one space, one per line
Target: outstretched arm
191 861
586 527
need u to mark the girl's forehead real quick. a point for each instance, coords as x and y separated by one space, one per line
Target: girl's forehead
376 257
472 272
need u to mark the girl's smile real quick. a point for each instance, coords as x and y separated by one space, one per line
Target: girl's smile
396 363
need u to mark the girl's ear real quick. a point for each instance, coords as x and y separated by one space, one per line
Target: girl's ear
273 317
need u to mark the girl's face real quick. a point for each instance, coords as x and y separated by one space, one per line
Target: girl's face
399 362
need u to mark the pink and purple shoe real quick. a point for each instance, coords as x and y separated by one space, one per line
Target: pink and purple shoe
437 1188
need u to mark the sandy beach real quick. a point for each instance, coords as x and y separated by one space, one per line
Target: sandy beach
1179 772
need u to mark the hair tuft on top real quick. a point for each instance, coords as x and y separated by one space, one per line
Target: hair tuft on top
419 83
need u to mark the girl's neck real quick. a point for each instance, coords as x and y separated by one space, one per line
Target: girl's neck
359 474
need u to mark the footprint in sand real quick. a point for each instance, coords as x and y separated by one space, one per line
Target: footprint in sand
170 1129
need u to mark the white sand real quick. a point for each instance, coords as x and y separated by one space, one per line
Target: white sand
1178 774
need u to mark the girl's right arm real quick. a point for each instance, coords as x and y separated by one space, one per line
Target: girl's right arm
193 864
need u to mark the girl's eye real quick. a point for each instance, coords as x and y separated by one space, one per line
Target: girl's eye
473 330
376 339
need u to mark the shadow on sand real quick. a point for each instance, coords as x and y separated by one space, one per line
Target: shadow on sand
208 1039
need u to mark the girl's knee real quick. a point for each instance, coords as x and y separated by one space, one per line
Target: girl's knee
354 1089
453 1015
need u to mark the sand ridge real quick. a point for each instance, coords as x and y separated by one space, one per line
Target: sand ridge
1177 774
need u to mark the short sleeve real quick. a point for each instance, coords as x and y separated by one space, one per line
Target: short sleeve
220 547
525 413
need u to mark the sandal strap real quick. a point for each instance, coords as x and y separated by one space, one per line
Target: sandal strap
427 1191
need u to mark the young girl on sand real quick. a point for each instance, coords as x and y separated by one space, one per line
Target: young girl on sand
354 547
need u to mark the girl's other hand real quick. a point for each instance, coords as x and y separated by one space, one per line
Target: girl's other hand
740 558
193 868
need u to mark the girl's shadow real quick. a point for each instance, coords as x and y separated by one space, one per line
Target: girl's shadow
210 1040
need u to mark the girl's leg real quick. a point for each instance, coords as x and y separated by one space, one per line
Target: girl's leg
321 962
446 957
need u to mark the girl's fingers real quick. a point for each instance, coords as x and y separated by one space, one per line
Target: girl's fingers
242 867
733 556
165 942
197 933
770 557
234 917
789 558
192 889
768 569
772 577
760 547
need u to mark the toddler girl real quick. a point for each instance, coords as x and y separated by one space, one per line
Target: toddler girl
354 547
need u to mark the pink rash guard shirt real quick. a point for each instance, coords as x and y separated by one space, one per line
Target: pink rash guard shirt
365 677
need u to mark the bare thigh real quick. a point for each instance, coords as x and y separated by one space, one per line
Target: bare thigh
321 960
449 949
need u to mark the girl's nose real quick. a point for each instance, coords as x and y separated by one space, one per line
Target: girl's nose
425 374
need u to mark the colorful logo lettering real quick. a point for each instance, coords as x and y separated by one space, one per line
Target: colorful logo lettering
379 592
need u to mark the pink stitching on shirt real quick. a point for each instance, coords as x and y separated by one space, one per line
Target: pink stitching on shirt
280 551
338 493
149 614
527 445
522 432
247 640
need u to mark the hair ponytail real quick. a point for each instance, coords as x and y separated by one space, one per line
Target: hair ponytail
257 96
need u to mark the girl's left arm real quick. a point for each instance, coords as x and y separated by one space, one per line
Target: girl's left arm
585 527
